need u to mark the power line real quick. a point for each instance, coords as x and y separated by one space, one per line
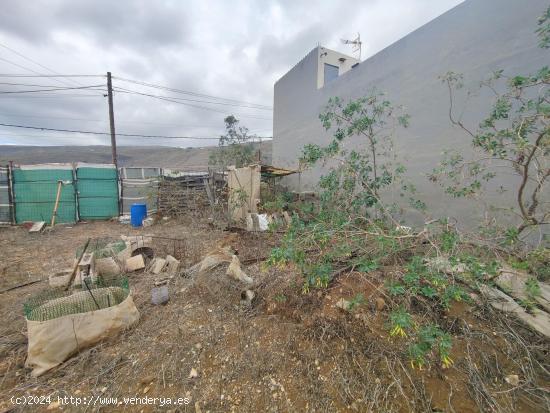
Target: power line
16 75
38 64
103 133
53 89
33 71
53 77
26 84
186 92
54 96
173 100
168 125
194 100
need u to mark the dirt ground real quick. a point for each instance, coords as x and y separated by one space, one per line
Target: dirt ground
288 352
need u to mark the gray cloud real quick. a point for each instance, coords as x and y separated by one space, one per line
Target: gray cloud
232 49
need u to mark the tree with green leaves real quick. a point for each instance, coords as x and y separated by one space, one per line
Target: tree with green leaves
514 137
358 173
235 147
362 166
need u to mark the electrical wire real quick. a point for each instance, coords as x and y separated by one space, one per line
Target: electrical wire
16 75
54 96
193 100
34 71
39 64
258 106
53 89
169 99
167 125
103 133
28 84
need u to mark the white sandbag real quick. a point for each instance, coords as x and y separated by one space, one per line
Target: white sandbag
52 342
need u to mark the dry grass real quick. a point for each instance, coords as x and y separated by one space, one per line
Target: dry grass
287 352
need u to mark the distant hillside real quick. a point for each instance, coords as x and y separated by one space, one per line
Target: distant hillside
160 156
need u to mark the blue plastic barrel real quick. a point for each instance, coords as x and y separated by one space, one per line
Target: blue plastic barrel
138 212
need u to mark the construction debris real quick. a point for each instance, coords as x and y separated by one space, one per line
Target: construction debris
247 296
234 270
137 241
135 263
157 265
215 258
244 191
159 295
172 265
539 320
515 282
85 269
256 222
147 222
37 226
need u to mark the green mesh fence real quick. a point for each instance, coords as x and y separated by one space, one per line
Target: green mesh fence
92 296
35 191
97 190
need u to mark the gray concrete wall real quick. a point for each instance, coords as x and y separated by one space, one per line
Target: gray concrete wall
475 38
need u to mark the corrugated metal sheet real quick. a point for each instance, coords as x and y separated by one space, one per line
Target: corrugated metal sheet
35 189
97 189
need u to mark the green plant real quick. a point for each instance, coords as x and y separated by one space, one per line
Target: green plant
538 261
532 291
513 138
395 288
356 301
364 264
427 282
280 298
350 207
428 338
235 147
361 173
449 240
400 322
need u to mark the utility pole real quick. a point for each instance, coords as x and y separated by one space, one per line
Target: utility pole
112 118
113 140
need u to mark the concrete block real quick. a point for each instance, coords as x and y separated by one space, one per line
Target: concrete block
157 265
135 263
172 265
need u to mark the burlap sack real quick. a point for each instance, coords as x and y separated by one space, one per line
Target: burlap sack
52 342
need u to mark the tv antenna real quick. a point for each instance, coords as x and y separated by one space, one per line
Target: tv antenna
356 44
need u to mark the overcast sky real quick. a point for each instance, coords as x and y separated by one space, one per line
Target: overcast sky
228 49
